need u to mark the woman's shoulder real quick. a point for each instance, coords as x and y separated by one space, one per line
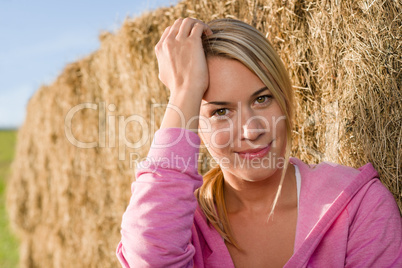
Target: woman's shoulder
357 204
329 173
328 181
332 169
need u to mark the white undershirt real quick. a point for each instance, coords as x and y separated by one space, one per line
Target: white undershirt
298 183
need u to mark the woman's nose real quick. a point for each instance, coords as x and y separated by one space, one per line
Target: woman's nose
252 127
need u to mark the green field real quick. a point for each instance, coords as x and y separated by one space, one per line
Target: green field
8 242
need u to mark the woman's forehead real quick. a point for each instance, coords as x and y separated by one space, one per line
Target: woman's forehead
230 80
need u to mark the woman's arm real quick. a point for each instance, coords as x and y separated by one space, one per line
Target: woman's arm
156 227
183 69
375 234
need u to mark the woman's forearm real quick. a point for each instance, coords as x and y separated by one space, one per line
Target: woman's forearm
183 111
156 227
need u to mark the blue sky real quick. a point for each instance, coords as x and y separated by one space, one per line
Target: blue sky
38 38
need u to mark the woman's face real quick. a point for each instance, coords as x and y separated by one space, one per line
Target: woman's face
241 123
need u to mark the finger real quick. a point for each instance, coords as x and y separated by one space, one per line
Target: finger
200 28
186 26
165 33
163 37
175 28
207 30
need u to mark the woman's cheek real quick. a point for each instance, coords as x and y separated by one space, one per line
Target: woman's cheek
217 136
221 137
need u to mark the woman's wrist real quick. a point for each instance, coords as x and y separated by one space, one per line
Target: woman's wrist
183 111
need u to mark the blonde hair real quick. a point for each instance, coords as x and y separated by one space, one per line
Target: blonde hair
237 40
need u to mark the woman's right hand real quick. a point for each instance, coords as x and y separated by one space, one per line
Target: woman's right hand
183 69
181 59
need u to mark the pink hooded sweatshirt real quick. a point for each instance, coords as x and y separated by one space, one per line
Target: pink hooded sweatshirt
346 217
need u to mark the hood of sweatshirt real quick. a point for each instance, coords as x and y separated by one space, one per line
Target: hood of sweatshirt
326 189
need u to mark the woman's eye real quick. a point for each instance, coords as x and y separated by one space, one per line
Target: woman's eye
262 99
221 112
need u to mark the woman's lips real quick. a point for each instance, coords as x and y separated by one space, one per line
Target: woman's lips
253 153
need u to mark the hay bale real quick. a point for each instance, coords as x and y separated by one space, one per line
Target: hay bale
73 167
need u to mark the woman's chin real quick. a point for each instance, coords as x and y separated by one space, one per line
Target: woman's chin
252 174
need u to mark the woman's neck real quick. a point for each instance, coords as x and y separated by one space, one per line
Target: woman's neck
257 196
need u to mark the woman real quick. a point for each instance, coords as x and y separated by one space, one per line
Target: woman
258 207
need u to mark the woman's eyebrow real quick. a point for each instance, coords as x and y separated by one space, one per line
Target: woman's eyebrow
221 103
225 103
258 92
